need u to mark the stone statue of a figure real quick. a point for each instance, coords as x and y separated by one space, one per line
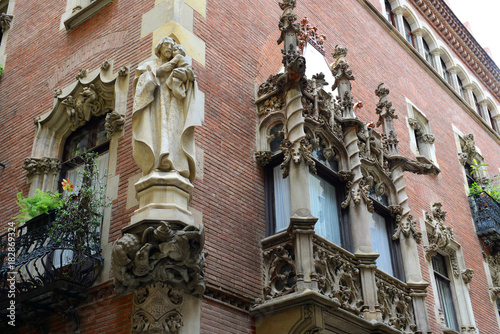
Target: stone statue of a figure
165 112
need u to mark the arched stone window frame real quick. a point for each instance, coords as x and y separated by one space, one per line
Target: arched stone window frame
464 78
53 127
492 115
467 153
421 137
439 238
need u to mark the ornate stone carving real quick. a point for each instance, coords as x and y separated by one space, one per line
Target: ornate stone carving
441 235
386 119
356 194
279 271
428 138
262 158
165 103
343 76
467 275
44 165
468 149
157 309
395 303
302 152
57 92
338 277
81 74
468 330
5 21
123 72
407 227
270 105
409 165
105 65
309 34
92 101
114 123
160 254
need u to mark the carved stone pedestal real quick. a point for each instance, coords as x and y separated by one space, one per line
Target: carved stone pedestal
163 196
160 308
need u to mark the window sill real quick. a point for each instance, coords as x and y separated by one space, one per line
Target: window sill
85 13
449 331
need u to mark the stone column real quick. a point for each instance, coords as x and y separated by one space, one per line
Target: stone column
436 58
419 41
398 17
483 106
468 95
454 79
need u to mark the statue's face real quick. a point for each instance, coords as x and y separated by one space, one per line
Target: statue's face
166 50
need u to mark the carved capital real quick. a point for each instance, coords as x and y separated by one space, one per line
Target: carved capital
407 227
114 123
160 254
296 153
467 275
44 165
441 235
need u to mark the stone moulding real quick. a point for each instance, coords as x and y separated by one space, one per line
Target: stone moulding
42 165
452 30
163 253
81 14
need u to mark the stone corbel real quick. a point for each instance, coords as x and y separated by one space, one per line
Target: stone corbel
407 226
114 123
467 275
5 21
303 151
164 254
262 158
428 138
311 321
358 193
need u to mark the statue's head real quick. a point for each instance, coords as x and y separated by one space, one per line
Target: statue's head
164 48
179 50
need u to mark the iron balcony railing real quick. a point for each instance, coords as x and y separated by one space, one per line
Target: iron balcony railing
52 273
486 213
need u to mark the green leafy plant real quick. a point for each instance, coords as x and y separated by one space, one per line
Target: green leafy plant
41 202
489 186
1 70
80 216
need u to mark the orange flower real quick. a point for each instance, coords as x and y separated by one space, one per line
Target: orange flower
67 185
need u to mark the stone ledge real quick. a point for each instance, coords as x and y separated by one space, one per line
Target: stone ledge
85 13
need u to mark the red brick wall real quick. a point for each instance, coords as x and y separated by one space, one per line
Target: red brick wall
241 53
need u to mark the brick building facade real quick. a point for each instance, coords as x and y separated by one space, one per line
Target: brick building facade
394 167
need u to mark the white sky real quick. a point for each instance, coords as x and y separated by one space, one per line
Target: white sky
484 19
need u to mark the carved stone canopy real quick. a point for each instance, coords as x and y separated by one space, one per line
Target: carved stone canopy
164 253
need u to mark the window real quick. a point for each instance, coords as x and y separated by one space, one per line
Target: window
446 73
468 174
427 52
408 33
492 121
444 291
389 14
326 194
421 137
460 87
381 230
476 104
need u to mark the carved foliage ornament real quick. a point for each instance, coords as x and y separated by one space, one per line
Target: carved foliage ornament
279 271
309 34
42 165
338 278
160 254
157 309
468 149
114 123
357 191
262 158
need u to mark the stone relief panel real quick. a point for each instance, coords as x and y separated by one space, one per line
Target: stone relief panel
279 271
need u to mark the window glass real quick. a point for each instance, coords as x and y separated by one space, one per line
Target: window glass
408 33
446 74
281 199
444 291
277 137
388 13
380 242
324 206
460 87
427 51
476 104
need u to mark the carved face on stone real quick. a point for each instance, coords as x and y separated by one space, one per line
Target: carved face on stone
164 48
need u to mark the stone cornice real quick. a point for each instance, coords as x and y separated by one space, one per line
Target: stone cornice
461 40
